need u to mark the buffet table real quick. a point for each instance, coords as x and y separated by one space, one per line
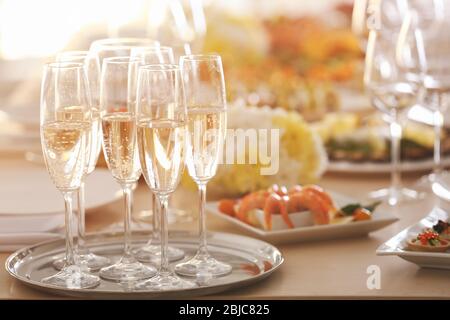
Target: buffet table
327 269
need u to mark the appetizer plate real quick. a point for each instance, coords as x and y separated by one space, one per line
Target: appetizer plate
373 167
252 260
397 244
379 220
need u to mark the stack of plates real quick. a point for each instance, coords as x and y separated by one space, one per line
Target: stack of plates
31 208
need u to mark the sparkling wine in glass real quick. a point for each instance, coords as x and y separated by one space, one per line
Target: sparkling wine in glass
206 105
151 251
118 116
162 134
64 137
92 66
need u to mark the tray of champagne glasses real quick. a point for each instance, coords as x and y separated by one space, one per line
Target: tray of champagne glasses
252 260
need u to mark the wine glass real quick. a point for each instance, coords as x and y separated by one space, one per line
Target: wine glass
392 94
118 117
426 27
119 47
205 97
92 67
65 123
161 131
151 252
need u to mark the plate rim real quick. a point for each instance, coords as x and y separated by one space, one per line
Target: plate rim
374 167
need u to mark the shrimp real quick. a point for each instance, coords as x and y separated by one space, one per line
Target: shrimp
316 201
276 204
254 200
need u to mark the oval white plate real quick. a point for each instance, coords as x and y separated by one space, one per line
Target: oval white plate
373 167
379 220
28 190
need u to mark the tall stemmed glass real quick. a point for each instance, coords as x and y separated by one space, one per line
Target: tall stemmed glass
161 127
65 124
92 66
119 47
118 116
392 94
151 252
427 27
207 121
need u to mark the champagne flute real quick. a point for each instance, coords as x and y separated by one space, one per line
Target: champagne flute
161 131
205 97
65 125
119 47
392 94
92 67
151 252
118 116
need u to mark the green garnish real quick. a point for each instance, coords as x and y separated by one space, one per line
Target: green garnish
350 208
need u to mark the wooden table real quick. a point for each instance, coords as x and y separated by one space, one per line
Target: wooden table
328 269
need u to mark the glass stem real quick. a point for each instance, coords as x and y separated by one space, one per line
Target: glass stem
203 249
156 219
396 135
164 231
128 198
68 202
81 219
438 122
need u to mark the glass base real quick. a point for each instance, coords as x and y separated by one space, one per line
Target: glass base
165 282
152 253
89 260
127 269
72 277
201 265
440 185
395 196
426 182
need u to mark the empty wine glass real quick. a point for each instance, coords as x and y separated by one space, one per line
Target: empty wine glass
161 127
118 116
65 124
207 121
392 94
426 27
92 66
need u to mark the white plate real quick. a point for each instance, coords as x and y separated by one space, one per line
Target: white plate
28 190
379 220
373 167
395 245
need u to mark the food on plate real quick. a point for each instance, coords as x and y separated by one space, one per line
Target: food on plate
443 228
429 241
357 138
279 207
295 63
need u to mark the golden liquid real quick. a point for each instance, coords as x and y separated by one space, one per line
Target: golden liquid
161 151
207 128
63 145
94 138
120 146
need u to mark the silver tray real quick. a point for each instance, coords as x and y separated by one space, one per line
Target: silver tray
252 261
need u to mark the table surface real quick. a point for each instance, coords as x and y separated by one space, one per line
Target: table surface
323 269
